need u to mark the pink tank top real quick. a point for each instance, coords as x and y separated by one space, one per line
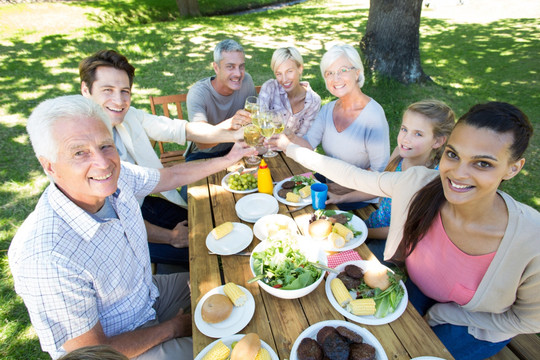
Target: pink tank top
442 271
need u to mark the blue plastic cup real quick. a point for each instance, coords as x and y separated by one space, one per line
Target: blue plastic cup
319 192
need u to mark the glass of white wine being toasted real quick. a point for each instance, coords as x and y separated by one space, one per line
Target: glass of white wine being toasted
251 137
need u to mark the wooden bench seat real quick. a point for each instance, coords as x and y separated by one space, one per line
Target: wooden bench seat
522 347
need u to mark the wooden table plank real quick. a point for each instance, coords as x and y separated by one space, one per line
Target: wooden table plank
206 267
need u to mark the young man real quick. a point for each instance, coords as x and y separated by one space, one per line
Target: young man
80 261
107 79
220 99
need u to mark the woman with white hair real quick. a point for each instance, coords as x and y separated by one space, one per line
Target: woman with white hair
352 128
287 94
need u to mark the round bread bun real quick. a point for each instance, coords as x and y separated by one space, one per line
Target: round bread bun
320 229
247 348
376 277
216 308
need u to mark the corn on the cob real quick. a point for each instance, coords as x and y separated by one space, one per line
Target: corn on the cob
220 351
237 296
361 307
337 240
292 197
222 230
305 191
343 231
263 354
340 292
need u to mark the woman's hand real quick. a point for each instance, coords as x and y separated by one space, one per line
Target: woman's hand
280 142
333 198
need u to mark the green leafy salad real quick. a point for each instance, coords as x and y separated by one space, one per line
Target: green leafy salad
282 265
387 301
300 182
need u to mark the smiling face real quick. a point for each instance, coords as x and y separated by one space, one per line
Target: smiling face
416 140
229 72
111 91
87 167
474 163
340 78
288 75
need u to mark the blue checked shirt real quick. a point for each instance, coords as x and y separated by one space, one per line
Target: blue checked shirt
73 269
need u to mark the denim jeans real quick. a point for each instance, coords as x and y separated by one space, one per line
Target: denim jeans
461 344
165 214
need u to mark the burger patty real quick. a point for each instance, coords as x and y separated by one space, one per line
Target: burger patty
354 271
349 335
335 347
324 332
309 349
349 282
339 218
362 352
289 184
282 193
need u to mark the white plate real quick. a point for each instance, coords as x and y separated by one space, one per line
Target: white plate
260 229
229 340
302 202
365 319
225 185
254 206
311 332
355 222
237 240
427 358
239 318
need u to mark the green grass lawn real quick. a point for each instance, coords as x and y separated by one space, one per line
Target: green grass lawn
41 45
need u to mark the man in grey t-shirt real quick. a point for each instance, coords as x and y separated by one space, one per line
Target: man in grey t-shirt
219 100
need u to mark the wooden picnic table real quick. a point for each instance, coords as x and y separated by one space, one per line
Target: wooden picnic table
279 321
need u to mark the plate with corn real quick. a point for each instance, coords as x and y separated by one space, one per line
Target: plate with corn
298 192
381 306
241 314
221 349
229 238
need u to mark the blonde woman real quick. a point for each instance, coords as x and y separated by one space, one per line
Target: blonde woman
288 94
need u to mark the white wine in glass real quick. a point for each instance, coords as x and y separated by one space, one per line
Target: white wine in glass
267 128
252 137
252 105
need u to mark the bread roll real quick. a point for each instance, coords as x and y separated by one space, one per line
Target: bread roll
216 308
375 277
320 229
247 348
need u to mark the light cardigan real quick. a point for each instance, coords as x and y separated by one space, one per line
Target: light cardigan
136 131
507 301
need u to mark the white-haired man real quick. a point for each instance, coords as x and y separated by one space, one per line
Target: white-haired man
80 260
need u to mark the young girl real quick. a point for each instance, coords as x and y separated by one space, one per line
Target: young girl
424 130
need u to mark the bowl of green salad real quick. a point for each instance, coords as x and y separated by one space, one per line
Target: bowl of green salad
285 265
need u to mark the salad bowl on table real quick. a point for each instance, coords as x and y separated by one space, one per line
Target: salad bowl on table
285 265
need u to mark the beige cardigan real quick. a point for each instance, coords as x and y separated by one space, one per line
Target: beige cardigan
507 301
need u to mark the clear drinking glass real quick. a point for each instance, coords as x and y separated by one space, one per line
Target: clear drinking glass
267 128
252 105
252 137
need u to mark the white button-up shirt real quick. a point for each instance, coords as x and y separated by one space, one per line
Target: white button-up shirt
73 269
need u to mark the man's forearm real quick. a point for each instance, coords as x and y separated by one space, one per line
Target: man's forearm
157 234
204 133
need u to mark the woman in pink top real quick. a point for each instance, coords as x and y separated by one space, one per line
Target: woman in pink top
286 93
472 252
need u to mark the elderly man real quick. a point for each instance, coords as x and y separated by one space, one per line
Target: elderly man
80 260
107 78
221 97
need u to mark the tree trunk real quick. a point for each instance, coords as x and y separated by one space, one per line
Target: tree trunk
391 42
188 7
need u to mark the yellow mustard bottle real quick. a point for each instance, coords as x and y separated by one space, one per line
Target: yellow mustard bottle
264 179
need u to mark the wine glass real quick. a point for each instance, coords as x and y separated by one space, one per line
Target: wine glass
267 128
252 105
251 137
